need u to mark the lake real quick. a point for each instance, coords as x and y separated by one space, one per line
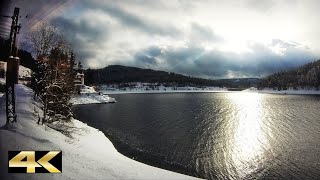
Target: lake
215 135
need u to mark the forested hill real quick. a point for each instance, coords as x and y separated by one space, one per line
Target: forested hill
307 75
124 74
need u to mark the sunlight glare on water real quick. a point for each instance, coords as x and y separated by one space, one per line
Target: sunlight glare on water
248 141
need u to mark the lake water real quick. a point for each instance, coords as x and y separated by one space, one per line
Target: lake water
215 135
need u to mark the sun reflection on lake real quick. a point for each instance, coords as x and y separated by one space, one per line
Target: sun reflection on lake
248 141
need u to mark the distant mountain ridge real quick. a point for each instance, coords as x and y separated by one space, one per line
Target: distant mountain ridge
124 74
307 75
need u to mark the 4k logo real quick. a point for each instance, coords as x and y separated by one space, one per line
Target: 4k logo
35 162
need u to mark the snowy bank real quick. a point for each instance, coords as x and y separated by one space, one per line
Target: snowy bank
161 89
91 99
89 155
88 95
288 91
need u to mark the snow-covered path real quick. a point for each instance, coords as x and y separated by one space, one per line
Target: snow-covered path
89 155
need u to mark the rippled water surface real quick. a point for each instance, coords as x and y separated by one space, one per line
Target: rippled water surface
215 135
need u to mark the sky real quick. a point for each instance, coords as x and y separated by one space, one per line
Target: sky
205 38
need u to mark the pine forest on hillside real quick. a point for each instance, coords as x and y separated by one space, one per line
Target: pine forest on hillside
306 76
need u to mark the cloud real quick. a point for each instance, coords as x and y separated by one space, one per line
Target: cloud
86 38
134 21
196 61
261 5
212 39
82 30
153 51
145 61
204 33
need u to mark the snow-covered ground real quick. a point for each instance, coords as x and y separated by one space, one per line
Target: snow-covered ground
91 99
161 89
23 71
90 96
288 91
88 155
83 99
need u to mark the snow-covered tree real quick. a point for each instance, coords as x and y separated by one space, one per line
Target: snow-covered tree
60 85
42 41
53 78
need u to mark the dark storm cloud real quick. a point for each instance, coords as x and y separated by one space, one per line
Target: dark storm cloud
147 58
31 14
134 21
153 51
180 36
84 37
35 11
143 60
196 61
81 30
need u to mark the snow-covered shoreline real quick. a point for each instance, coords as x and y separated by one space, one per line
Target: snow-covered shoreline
158 92
162 89
288 91
91 99
88 95
88 155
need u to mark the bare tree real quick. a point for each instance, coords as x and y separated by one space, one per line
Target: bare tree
54 76
43 40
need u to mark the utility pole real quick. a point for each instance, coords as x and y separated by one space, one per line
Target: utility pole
12 74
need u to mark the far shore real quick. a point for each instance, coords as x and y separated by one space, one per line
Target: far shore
250 90
164 92
289 91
